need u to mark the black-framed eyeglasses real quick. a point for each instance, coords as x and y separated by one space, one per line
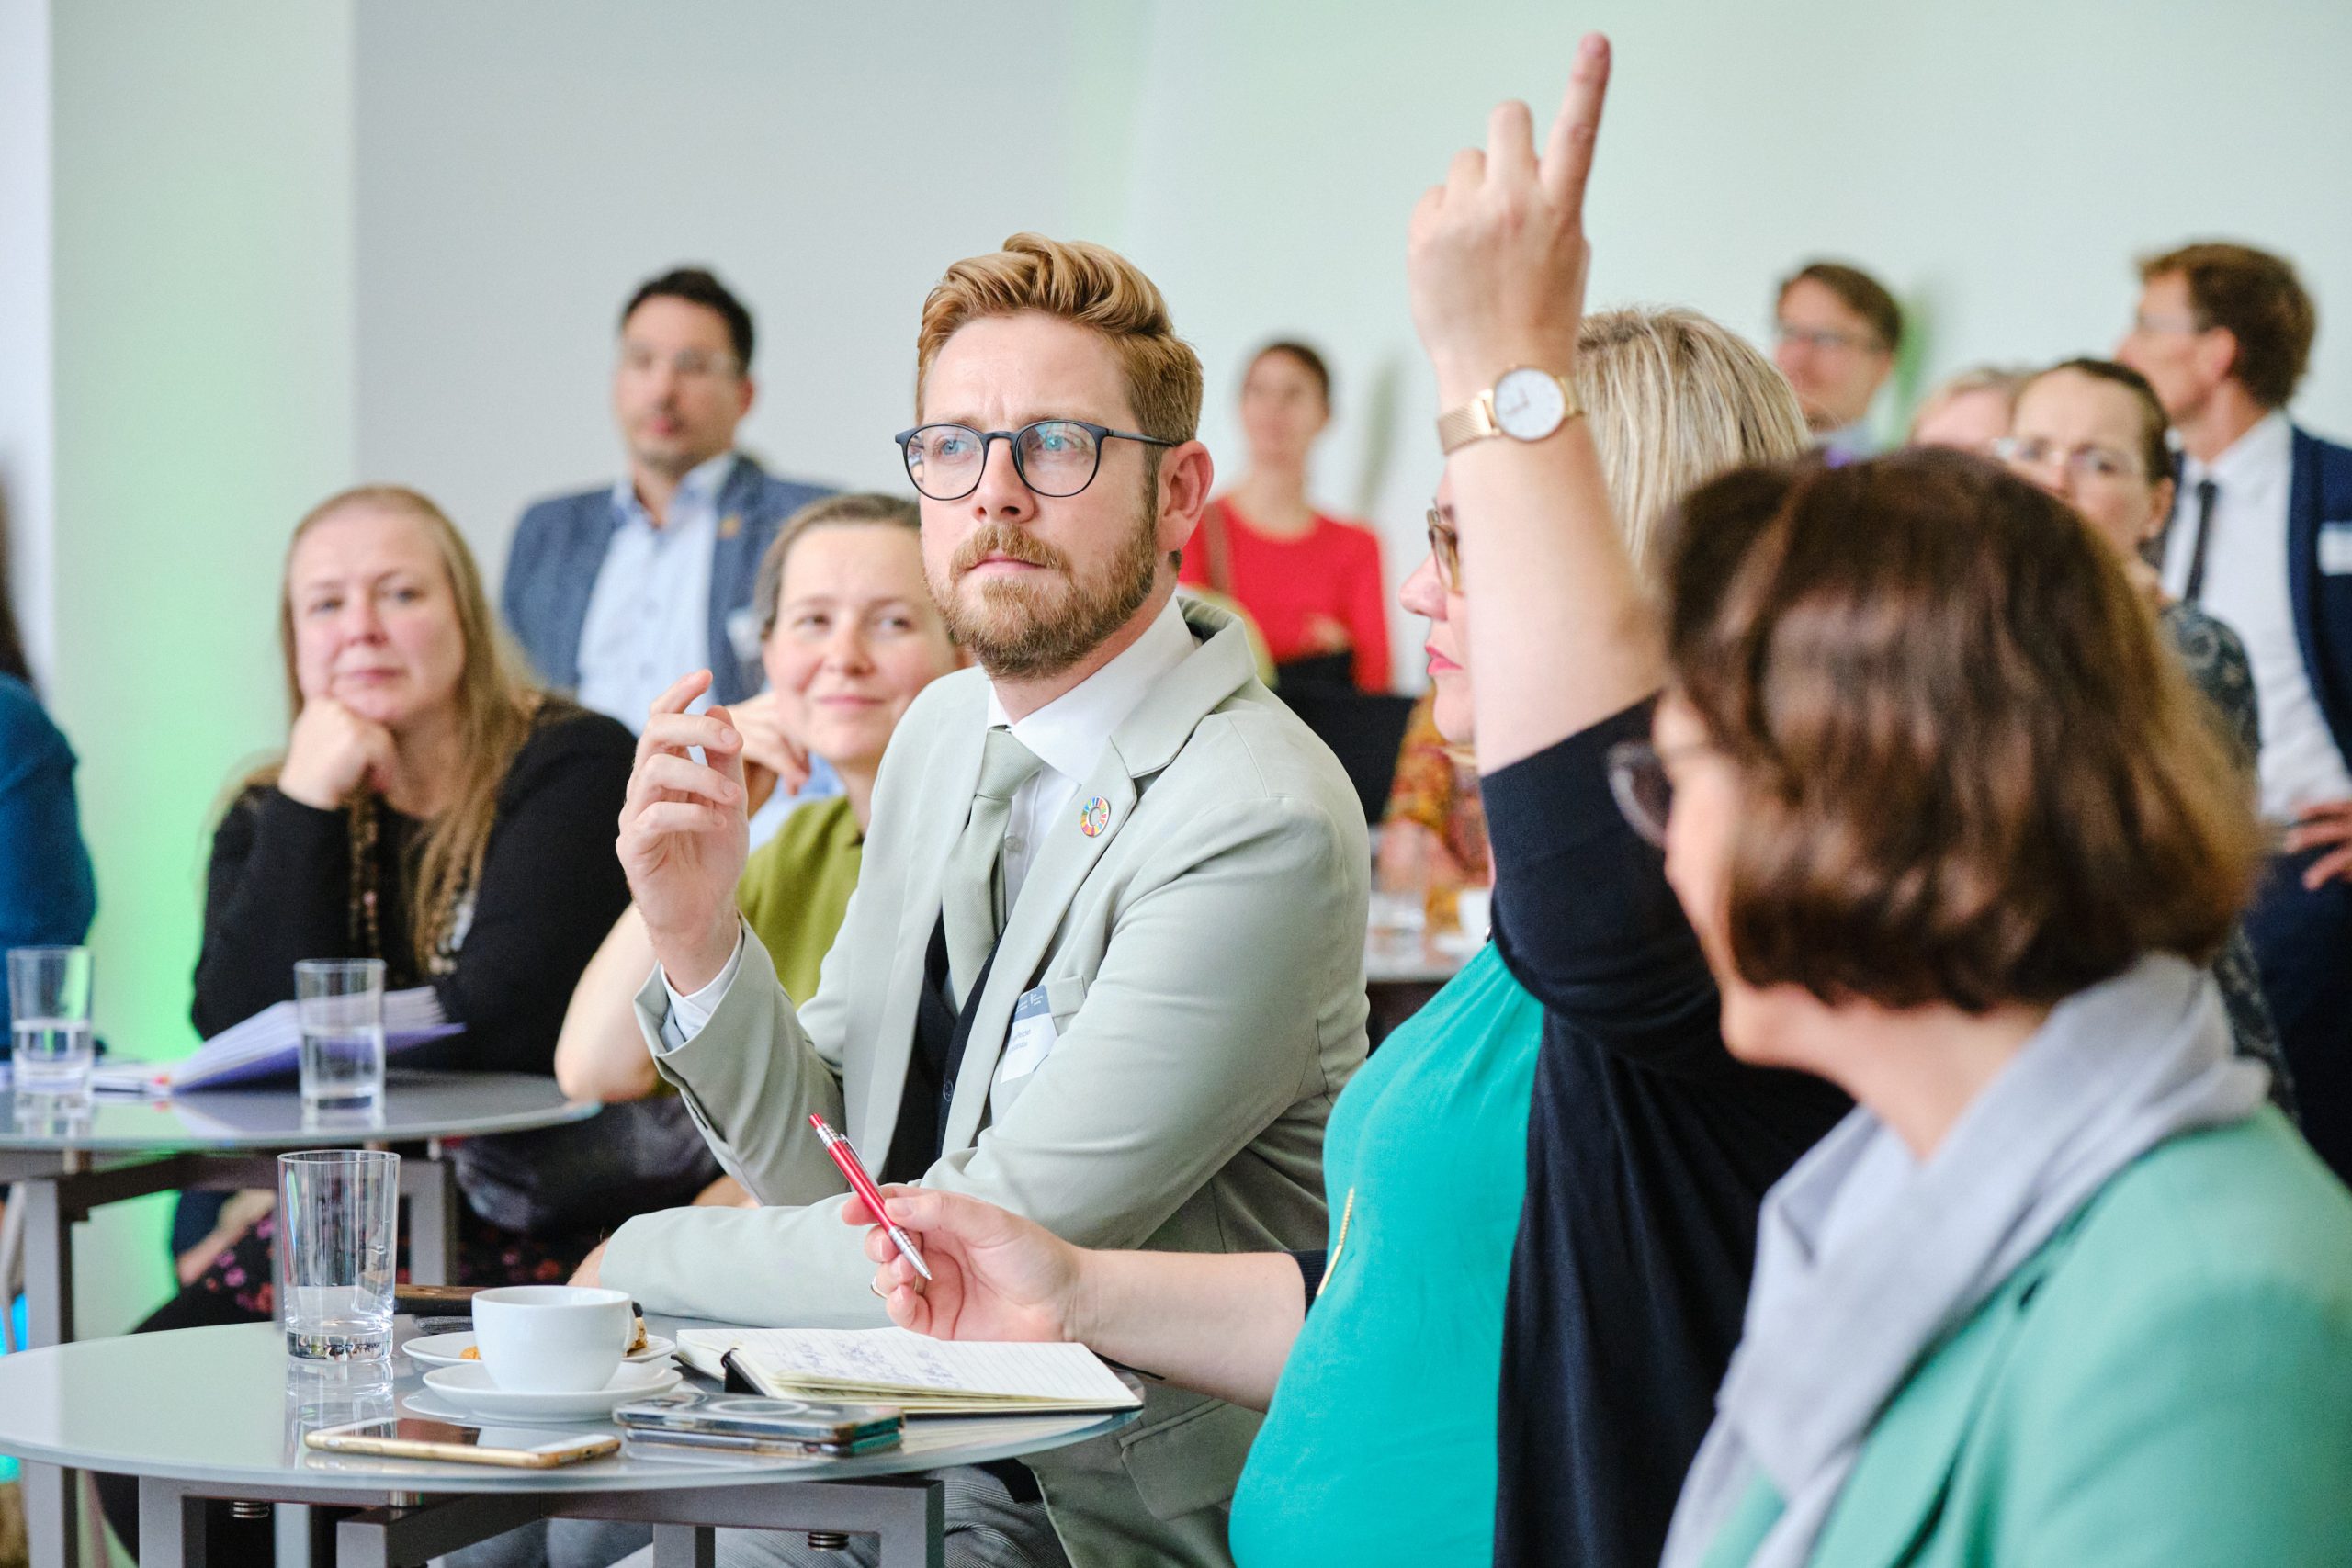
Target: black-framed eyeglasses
1644 790
1054 457
1445 549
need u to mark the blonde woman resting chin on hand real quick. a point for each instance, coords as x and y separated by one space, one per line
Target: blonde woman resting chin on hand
849 637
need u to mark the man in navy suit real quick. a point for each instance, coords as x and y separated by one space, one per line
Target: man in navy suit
2262 537
617 592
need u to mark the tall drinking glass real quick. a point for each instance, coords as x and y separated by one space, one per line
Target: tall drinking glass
49 1019
337 1213
340 1004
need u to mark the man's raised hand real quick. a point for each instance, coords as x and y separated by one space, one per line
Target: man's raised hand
682 839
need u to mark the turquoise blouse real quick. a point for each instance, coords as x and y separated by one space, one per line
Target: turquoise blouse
1380 1442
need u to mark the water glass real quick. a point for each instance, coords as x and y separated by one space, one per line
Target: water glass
49 1018
337 1217
340 1005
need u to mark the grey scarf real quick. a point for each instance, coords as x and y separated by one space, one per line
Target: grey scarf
1831 1336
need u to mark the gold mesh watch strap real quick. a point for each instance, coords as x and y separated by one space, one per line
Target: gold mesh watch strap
1474 421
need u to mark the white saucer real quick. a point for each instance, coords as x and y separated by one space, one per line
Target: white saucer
469 1387
450 1349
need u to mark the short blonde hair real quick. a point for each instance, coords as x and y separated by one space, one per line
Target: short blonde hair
2007 380
1674 399
1092 285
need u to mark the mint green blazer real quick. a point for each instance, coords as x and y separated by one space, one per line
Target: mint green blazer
2166 1384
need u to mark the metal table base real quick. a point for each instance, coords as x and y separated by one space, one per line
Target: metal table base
907 1515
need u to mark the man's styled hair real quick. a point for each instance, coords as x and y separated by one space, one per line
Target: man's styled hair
2155 450
1093 286
699 285
1970 773
2257 299
1860 292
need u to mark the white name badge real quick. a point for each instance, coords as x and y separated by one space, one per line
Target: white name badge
1032 1037
2336 547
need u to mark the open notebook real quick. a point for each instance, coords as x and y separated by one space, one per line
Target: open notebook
920 1376
268 1045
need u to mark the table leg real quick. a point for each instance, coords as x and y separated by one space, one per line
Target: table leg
49 1265
50 1526
685 1546
431 1220
911 1526
171 1525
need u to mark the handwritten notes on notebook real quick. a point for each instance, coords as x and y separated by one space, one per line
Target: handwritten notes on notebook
921 1375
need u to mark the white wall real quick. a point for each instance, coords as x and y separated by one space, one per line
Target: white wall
1998 163
201 399
522 167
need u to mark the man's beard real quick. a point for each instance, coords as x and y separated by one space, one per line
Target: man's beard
1032 626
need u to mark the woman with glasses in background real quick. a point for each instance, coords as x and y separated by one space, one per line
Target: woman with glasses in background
2091 432
1311 582
1383 1432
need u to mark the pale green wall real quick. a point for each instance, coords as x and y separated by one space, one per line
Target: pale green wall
203 399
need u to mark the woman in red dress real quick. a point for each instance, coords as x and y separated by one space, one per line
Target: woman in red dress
1310 581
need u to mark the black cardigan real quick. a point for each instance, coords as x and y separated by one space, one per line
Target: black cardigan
1649 1149
278 890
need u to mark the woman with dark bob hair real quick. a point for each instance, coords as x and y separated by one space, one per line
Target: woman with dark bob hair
1957 837
1945 820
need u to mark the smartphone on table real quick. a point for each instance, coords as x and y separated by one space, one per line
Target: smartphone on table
413 1437
747 1423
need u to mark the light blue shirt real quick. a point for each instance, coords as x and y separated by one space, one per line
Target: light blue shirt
649 615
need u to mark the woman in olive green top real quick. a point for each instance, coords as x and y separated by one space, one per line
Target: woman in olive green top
849 636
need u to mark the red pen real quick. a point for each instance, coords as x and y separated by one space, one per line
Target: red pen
862 1185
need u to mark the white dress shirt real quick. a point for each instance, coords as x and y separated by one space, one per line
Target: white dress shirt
649 615
1067 736
2246 585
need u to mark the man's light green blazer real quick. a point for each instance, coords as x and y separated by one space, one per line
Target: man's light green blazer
2167 1383
1202 955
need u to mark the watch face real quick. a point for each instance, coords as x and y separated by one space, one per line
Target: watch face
1529 404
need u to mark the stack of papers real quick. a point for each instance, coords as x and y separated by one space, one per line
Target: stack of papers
268 1046
920 1376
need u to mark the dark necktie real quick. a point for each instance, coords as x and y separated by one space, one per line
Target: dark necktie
2190 591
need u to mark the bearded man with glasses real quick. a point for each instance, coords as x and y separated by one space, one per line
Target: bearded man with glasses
1104 964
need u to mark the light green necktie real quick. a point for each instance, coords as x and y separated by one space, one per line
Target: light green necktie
972 903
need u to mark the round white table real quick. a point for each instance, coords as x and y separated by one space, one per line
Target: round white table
220 1413
64 1159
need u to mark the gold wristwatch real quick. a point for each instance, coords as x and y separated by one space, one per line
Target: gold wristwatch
1524 403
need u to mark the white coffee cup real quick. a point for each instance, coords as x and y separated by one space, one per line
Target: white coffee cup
552 1338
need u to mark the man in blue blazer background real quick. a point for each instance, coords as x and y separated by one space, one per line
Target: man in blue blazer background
2262 537
617 592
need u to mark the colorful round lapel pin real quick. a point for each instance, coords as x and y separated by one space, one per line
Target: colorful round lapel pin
1094 817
